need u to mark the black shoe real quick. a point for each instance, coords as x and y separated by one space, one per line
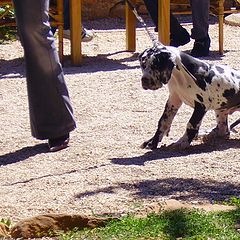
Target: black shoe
201 47
56 144
180 38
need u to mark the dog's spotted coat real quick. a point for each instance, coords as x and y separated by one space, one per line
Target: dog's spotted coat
194 82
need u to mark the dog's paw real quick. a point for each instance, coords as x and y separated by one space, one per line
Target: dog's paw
214 134
150 144
181 144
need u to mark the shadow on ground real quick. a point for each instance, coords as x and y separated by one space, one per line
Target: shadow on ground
103 63
13 67
185 189
177 188
164 153
23 154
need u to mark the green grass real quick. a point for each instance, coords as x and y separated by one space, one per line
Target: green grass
235 201
7 34
169 225
179 224
7 222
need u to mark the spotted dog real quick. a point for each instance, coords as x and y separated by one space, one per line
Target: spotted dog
201 85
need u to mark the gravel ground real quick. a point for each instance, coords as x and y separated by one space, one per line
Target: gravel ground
104 170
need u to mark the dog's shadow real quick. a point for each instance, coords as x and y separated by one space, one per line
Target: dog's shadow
168 152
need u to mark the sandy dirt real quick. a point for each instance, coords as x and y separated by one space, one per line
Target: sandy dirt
104 170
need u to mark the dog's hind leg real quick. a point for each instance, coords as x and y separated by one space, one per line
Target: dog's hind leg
164 123
221 130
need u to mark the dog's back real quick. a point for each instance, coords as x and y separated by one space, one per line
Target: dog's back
219 85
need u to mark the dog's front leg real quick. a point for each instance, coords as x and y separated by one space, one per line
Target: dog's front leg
164 123
192 127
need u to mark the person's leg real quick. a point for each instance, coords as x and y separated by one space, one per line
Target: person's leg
66 11
50 109
178 34
152 8
200 18
87 35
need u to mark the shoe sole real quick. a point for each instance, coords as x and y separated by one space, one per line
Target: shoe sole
59 147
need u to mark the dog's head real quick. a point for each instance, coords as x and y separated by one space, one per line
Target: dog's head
157 64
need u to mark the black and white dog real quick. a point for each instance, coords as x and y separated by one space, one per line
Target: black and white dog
194 82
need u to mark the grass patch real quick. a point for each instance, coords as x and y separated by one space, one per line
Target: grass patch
234 201
7 222
169 225
7 34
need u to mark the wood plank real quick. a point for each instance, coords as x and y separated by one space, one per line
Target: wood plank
130 28
164 21
76 31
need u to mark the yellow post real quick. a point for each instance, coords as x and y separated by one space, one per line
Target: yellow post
220 25
130 28
60 28
164 21
76 31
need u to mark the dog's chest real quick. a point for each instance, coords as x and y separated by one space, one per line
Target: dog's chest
184 88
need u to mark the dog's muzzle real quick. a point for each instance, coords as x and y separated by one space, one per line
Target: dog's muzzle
148 83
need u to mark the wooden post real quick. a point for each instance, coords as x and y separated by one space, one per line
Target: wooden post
130 28
220 25
76 31
164 21
60 29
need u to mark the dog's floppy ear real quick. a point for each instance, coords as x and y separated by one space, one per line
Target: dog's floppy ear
162 58
145 52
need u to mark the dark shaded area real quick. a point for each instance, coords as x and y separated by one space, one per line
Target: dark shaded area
164 153
177 188
13 66
23 154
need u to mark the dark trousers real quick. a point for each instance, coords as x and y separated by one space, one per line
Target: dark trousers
200 17
50 109
152 7
66 16
66 12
